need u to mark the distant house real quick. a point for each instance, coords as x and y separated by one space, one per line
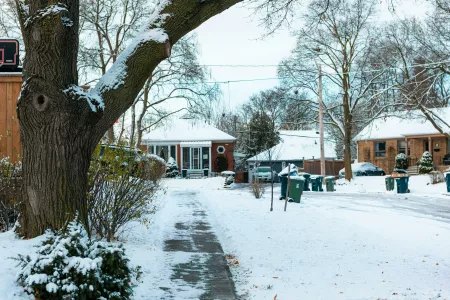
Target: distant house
410 133
301 148
194 145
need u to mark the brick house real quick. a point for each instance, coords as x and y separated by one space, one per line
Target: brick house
412 134
194 145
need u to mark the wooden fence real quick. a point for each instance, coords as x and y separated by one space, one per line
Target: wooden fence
10 85
332 167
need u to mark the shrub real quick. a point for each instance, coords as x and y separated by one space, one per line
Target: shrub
436 177
257 188
172 168
116 197
154 168
425 163
401 161
69 265
10 193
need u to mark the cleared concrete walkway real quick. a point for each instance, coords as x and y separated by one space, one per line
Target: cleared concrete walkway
196 256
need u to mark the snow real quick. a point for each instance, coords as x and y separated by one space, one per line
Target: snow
94 100
407 124
350 244
115 76
183 130
285 171
231 173
330 248
296 145
51 10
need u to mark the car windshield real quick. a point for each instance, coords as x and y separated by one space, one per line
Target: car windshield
263 169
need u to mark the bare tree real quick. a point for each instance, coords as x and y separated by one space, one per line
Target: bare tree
340 39
60 123
180 77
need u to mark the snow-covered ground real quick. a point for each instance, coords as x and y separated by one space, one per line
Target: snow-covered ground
349 246
359 242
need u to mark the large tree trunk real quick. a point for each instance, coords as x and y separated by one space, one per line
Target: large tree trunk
60 124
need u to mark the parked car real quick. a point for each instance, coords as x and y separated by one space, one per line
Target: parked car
264 174
364 169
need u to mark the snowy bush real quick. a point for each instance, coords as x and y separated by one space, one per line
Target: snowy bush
257 188
10 193
172 168
436 177
116 197
69 265
154 168
425 163
401 161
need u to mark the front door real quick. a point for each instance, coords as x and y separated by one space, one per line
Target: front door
196 158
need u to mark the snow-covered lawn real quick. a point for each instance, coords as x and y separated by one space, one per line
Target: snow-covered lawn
332 247
357 243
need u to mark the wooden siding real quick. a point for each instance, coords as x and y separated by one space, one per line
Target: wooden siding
10 85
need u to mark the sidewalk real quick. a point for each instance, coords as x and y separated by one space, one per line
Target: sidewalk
195 255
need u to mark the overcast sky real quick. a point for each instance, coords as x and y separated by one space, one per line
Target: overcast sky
235 37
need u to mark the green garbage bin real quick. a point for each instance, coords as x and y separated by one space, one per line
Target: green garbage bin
402 185
296 188
283 180
389 183
205 172
184 173
316 183
329 183
307 181
447 181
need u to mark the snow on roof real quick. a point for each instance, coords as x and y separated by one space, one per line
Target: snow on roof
406 124
184 131
296 145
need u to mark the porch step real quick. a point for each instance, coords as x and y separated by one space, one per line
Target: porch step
413 170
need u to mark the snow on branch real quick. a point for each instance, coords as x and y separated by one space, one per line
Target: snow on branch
116 75
51 10
94 100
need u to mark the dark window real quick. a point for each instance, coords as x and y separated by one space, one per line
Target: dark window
173 152
186 158
380 149
402 147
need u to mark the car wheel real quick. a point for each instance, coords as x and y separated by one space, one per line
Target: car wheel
364 174
382 174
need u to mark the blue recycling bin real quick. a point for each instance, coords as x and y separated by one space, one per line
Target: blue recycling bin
402 185
447 181
307 181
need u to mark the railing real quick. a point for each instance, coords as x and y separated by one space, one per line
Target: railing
412 161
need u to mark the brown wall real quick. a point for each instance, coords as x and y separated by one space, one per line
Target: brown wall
10 86
229 146
332 167
178 158
366 151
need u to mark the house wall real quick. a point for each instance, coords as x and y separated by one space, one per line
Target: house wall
229 151
10 85
366 151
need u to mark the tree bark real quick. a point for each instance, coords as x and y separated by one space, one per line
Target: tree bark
60 125
347 128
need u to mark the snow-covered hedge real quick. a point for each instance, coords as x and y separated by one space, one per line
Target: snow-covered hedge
401 161
425 163
69 265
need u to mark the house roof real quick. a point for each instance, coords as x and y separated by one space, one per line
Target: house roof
296 145
183 130
408 123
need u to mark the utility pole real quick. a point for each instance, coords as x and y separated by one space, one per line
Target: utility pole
322 150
